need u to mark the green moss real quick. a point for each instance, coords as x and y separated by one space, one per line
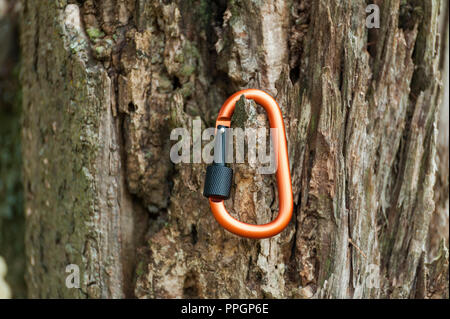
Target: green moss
187 70
235 9
179 58
239 115
100 50
203 12
190 51
140 269
187 89
95 33
313 123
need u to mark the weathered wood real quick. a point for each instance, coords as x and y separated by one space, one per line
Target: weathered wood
105 82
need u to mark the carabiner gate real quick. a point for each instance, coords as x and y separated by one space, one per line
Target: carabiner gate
219 176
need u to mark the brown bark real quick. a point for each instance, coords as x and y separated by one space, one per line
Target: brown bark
105 82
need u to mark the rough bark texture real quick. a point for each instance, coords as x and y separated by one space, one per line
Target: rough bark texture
104 82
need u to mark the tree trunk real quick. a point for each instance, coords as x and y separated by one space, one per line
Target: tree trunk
105 82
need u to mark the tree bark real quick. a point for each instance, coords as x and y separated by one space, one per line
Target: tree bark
105 82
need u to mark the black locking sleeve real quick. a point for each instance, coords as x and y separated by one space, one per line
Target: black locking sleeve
219 176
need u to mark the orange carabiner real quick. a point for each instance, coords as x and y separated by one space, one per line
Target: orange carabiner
219 176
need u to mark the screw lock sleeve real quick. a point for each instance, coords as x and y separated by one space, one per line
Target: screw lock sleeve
218 181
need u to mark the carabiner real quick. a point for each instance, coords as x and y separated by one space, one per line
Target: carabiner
219 176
